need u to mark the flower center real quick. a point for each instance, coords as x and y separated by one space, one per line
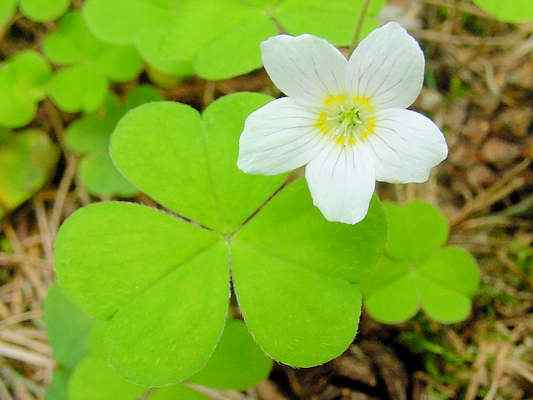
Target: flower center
346 120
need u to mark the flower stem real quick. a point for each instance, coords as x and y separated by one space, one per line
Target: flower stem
359 26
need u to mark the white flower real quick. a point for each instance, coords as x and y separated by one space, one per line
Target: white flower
345 120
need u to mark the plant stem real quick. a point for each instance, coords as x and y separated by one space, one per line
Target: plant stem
359 26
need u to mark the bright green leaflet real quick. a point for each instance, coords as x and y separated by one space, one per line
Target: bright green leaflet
294 275
7 10
27 161
195 172
89 136
22 84
237 363
44 10
508 11
440 280
219 38
82 86
125 262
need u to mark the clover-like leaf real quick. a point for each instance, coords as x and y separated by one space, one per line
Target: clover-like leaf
22 84
417 272
44 10
163 283
89 65
89 137
27 161
508 11
219 38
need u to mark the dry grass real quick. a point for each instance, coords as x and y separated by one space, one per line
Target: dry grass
480 90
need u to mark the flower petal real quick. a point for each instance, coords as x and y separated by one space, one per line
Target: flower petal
405 146
279 137
304 67
341 181
388 66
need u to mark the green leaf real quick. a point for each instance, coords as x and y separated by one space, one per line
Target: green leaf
144 270
22 84
7 10
237 362
68 328
294 275
426 231
334 20
439 280
94 379
78 88
27 161
508 11
82 86
205 185
44 10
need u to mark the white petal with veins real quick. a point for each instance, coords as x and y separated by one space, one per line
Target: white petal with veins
341 182
406 145
304 67
388 66
279 137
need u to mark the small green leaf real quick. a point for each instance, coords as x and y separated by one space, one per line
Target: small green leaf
58 389
177 392
68 328
27 161
78 88
237 362
294 277
94 379
426 231
205 185
22 84
439 280
44 10
508 11
82 86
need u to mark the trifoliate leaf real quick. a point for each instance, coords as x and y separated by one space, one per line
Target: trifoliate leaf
195 157
44 10
78 88
89 136
294 274
143 272
94 379
7 10
440 280
27 161
163 284
22 84
68 328
83 85
508 11
334 20
237 362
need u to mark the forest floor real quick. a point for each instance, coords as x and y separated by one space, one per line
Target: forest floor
479 89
